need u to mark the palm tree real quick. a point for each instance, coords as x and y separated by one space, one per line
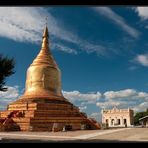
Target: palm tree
6 69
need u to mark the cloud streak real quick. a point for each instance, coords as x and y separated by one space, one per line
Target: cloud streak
117 19
61 47
25 24
21 23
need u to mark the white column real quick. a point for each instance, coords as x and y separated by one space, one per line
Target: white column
116 120
122 121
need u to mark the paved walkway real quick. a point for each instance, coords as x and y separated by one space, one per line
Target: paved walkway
98 134
61 135
122 134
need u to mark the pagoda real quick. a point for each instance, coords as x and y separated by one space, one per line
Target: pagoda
43 107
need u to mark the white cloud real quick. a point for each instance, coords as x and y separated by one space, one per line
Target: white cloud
10 95
142 12
82 108
120 94
12 92
84 97
141 107
82 100
135 105
142 95
25 24
108 104
107 12
21 23
142 59
144 105
128 98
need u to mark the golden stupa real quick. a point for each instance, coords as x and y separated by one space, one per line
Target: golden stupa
42 106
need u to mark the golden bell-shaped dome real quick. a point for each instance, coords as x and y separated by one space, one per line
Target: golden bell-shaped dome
43 75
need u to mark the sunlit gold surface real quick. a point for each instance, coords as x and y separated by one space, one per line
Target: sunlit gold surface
43 75
43 104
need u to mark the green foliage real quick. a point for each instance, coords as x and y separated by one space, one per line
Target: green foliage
6 69
139 115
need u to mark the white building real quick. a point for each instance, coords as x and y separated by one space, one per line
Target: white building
118 117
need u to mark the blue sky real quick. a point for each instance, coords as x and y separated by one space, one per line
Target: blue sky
101 52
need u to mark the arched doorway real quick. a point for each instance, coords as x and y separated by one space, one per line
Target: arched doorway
118 121
124 121
112 121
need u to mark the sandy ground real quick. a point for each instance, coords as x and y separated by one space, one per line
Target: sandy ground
109 135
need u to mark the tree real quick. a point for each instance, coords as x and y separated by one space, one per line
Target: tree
138 116
6 69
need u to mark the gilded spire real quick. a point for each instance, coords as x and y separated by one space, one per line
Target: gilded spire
45 56
45 38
